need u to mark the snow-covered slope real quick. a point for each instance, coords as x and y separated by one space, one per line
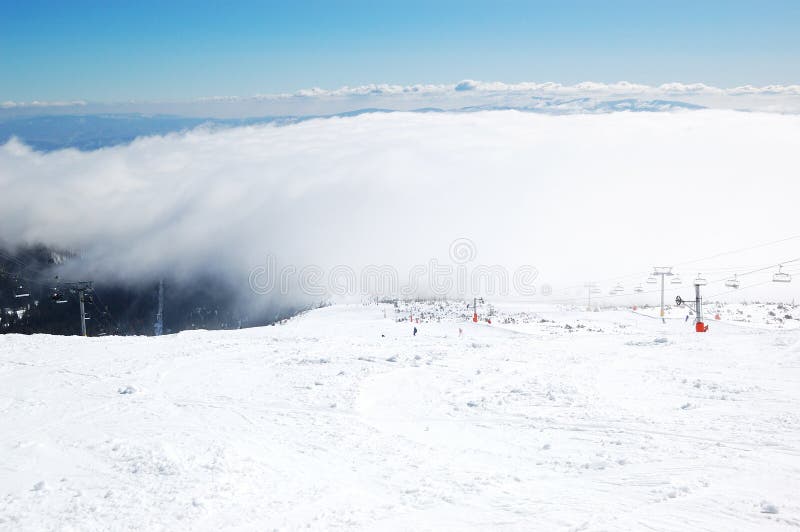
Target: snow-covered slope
341 418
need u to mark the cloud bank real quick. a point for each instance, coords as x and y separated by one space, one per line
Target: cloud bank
36 104
543 97
622 88
579 197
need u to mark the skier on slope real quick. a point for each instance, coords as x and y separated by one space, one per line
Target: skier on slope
415 331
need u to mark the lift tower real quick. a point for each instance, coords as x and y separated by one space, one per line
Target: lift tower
663 271
83 289
699 326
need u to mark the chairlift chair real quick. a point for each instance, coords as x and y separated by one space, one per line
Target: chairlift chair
651 280
781 277
638 289
675 280
58 296
732 283
700 281
20 291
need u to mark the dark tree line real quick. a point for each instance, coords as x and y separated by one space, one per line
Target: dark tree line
207 302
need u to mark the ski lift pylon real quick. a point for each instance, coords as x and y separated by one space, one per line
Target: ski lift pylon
700 280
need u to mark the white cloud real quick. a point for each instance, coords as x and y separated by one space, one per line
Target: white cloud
547 88
577 196
13 105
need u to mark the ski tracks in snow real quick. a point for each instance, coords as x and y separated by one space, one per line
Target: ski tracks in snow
341 418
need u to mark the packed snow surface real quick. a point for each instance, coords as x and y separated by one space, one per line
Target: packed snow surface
546 419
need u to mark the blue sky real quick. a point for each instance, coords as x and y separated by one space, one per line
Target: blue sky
146 50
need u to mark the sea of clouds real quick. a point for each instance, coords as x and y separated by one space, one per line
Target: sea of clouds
578 197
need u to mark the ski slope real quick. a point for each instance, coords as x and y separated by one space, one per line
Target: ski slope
341 419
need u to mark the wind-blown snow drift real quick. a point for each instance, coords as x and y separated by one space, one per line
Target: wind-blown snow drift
575 196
